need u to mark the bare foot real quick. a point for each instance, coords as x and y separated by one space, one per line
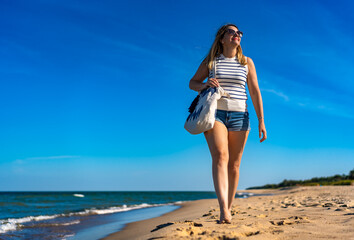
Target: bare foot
225 217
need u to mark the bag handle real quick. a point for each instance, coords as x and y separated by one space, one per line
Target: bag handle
212 75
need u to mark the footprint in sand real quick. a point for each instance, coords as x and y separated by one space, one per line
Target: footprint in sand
277 231
248 234
207 214
278 223
158 227
190 231
328 205
339 209
290 220
234 212
305 204
192 223
210 213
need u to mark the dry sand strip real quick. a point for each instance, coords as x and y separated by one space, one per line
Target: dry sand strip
321 212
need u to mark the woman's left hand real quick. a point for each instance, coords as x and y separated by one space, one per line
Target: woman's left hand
262 129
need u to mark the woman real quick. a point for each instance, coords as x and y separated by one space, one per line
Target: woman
227 139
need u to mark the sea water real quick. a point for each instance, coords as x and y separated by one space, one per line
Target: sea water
83 215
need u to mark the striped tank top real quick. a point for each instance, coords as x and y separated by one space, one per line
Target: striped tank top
232 77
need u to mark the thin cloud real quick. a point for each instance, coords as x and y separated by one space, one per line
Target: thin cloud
277 93
21 161
323 106
314 104
138 49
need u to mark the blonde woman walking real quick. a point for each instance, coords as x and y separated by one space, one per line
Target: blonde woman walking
227 139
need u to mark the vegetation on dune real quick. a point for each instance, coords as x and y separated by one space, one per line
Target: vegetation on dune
316 181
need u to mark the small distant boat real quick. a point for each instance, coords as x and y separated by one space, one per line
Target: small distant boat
79 195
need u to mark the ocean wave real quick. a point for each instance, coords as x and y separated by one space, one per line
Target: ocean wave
67 236
244 194
68 223
78 195
12 224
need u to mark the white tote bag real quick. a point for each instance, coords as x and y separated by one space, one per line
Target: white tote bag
202 118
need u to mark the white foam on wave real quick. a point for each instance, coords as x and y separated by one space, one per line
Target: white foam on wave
12 224
123 208
78 195
67 236
244 194
7 227
67 223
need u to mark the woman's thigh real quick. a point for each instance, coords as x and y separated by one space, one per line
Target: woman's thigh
217 139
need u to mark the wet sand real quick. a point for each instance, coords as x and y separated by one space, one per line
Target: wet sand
319 212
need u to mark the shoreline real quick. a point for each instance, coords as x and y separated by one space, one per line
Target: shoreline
314 212
187 210
140 229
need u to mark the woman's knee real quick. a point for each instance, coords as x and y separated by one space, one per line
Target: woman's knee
234 165
220 156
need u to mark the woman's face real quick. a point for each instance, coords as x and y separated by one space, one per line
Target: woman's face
230 39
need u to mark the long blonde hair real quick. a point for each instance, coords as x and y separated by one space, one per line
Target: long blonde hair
217 48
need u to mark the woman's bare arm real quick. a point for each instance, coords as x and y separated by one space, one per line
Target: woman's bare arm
196 83
256 97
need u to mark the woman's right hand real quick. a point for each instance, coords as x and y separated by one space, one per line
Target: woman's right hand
212 82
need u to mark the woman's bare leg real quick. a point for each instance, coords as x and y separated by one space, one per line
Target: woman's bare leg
236 144
217 139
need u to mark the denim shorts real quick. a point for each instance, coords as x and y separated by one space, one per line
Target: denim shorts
234 121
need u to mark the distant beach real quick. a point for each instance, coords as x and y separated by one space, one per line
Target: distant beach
310 212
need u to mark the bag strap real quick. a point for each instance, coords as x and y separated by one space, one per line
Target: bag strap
213 75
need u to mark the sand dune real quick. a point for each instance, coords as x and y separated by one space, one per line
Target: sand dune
323 212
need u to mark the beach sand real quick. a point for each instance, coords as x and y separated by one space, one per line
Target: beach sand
319 212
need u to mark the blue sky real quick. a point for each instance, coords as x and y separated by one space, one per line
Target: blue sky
94 95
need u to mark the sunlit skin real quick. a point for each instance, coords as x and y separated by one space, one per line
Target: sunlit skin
226 147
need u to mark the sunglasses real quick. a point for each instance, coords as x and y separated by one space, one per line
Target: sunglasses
233 32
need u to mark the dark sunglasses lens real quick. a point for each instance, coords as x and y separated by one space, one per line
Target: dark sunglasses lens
239 33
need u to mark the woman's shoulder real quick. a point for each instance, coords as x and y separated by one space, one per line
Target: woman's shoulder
249 60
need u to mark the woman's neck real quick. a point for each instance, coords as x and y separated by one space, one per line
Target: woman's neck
229 52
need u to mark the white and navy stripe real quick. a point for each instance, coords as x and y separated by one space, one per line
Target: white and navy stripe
232 77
